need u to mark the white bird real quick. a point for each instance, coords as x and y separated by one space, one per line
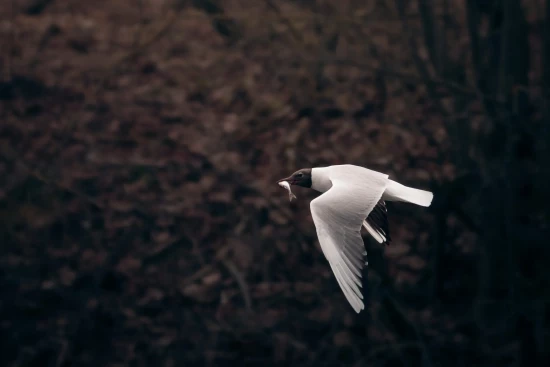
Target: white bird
352 197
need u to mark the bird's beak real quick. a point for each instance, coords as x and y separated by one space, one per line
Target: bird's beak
289 179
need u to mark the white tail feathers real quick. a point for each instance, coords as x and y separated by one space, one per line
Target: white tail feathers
397 192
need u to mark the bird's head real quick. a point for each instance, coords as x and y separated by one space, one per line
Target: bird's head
301 177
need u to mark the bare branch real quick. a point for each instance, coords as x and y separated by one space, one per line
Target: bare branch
472 17
420 64
240 281
431 32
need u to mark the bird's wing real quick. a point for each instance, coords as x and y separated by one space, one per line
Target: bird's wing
338 215
377 223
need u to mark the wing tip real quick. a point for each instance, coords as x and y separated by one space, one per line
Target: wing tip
377 236
360 308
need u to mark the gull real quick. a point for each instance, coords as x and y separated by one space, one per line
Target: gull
353 197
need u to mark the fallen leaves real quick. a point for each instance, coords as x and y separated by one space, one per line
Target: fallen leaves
180 243
415 262
67 276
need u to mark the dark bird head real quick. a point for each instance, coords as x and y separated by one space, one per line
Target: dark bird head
300 178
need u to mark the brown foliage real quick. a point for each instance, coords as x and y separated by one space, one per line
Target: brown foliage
140 143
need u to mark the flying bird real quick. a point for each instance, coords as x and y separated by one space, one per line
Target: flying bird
353 197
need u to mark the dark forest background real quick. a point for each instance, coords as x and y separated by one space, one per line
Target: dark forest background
140 143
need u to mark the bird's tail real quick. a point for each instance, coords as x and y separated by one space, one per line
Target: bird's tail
397 192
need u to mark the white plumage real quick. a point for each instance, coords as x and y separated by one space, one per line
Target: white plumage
350 193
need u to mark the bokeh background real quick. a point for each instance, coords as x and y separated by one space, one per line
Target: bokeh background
140 143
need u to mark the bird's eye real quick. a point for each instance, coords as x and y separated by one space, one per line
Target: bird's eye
299 175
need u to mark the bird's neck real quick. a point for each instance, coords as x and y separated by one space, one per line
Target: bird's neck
320 180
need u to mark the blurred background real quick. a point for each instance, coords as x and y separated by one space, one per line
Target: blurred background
141 141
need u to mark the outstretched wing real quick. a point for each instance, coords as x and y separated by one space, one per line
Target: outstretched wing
338 215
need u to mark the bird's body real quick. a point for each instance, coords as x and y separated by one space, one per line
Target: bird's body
353 197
